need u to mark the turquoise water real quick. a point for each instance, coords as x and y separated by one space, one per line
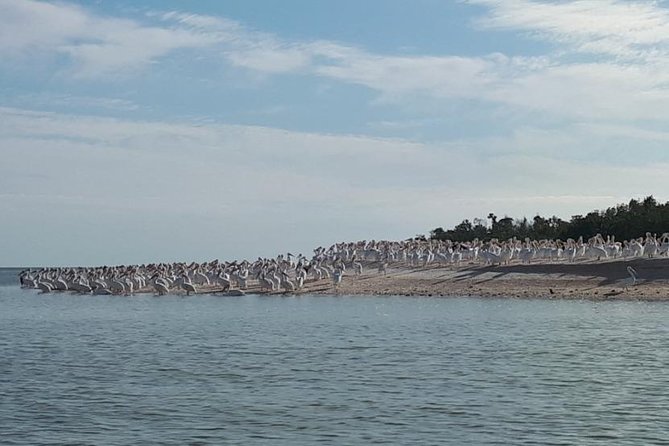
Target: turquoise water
331 370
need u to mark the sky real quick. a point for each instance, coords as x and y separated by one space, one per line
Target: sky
164 130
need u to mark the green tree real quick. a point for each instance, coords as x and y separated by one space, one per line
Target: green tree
624 221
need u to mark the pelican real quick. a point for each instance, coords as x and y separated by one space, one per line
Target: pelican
201 279
27 281
241 277
44 287
117 286
188 287
224 280
60 284
633 279
160 286
287 284
265 283
336 277
101 290
129 286
80 287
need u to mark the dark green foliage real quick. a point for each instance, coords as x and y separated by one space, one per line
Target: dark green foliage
624 221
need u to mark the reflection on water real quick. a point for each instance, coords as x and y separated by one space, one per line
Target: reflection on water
338 370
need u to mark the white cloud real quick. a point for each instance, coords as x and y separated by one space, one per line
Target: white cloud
616 87
591 91
46 100
96 45
627 29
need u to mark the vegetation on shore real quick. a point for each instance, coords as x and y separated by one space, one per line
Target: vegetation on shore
624 221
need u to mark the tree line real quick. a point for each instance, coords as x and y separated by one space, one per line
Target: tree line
624 221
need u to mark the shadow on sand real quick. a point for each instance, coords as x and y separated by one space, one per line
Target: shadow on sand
608 272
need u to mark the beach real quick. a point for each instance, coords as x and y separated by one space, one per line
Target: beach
585 279
590 280
603 280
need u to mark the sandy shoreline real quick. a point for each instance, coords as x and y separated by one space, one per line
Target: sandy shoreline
582 280
605 280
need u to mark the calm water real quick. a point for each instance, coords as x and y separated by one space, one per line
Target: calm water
337 370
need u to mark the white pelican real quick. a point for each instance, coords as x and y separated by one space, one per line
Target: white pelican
633 278
336 277
101 290
44 287
160 286
287 284
60 284
129 286
265 283
223 279
200 279
188 287
116 286
241 277
80 287
28 281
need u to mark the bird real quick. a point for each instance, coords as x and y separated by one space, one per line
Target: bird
288 285
336 277
44 287
633 278
188 287
224 280
160 286
101 290
27 281
116 286
265 283
242 278
80 287
129 286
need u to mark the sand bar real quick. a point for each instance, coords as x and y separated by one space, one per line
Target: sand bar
589 280
605 280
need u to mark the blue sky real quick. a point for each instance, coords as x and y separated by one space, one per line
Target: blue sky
169 130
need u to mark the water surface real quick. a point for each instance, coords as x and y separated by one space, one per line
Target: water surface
338 370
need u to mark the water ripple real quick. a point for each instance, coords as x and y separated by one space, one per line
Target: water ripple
344 370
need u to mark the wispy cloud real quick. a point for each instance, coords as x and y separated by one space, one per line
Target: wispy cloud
96 45
624 29
628 81
303 167
48 100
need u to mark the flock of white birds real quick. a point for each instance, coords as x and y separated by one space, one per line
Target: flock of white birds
289 273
